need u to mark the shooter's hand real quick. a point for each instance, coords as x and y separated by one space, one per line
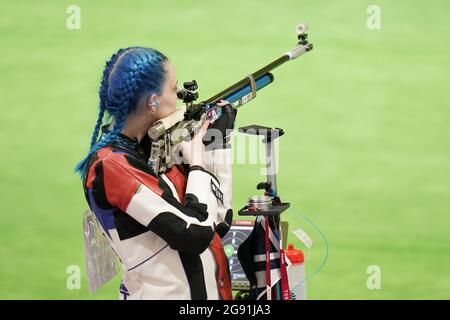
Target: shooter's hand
194 149
218 134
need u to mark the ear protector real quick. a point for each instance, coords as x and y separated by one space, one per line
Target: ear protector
155 103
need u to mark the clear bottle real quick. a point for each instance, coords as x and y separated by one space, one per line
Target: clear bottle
296 273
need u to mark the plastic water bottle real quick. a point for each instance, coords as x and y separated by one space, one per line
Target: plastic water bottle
296 273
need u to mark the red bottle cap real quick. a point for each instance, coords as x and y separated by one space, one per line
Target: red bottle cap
294 255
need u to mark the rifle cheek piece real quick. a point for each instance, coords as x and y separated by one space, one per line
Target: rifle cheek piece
162 125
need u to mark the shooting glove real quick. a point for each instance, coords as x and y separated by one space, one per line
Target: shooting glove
218 134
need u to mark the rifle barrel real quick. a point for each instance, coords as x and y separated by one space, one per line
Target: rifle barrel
231 90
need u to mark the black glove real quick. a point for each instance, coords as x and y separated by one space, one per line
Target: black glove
217 136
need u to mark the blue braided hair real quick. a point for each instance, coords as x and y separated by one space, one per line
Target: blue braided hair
128 75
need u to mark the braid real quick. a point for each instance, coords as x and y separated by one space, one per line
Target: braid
121 86
97 126
81 166
102 95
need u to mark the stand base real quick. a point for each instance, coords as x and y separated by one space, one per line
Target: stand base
276 209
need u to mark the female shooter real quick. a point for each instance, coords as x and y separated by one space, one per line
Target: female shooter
165 228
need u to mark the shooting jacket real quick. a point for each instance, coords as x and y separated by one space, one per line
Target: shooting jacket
165 229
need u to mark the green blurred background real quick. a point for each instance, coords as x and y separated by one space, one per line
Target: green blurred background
366 115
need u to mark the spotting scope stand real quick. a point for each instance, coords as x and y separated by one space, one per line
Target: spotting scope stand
270 204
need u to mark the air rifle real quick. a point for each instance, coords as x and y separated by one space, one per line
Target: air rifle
168 132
